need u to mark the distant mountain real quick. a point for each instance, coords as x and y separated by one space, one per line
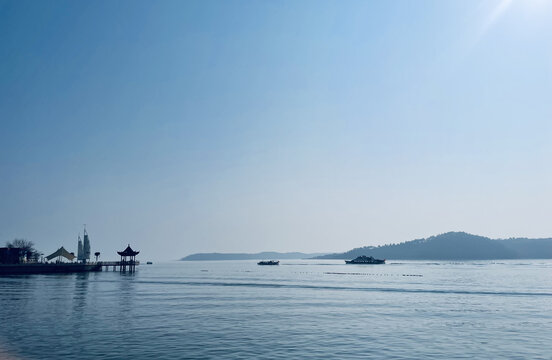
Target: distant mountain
455 246
243 256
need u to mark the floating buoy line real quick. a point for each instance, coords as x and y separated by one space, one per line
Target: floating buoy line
371 274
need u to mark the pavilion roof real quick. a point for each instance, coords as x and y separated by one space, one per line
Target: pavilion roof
128 252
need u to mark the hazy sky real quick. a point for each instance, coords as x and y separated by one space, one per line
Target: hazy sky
243 126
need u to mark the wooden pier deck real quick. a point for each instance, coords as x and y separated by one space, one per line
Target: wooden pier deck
122 265
60 268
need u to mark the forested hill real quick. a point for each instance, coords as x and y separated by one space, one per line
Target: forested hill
455 246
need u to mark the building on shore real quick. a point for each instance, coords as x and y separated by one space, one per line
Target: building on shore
10 255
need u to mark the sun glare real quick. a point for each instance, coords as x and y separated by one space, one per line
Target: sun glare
533 11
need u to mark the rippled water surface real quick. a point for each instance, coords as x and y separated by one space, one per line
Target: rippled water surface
301 309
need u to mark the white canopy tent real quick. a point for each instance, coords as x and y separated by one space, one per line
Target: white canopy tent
61 252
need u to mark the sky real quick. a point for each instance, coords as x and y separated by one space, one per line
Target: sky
242 126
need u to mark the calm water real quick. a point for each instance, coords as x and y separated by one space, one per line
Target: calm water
300 309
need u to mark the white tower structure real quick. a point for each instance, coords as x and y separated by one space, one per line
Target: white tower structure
86 247
80 252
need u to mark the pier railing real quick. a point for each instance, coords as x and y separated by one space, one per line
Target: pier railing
122 265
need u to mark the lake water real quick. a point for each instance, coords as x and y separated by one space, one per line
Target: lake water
302 309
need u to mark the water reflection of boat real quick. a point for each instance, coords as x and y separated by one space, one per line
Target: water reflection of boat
365 260
269 262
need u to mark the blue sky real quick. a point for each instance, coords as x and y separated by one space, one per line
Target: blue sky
187 126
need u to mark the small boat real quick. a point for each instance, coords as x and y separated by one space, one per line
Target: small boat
365 260
149 263
269 262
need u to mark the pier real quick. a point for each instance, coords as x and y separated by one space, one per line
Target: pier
122 265
65 268
127 262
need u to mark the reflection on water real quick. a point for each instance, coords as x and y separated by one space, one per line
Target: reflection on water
80 296
127 294
306 310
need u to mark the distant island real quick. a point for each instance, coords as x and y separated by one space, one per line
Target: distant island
244 256
455 246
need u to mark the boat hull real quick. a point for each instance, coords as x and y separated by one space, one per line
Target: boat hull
24 269
375 262
268 263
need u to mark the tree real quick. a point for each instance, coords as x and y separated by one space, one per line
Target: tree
27 248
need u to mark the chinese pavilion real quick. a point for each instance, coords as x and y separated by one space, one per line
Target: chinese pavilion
131 262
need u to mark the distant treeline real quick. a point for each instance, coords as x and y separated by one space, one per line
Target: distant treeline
455 246
243 256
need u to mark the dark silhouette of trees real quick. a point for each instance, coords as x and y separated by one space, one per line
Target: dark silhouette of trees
26 247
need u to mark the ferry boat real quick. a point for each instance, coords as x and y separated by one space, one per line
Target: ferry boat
269 262
365 260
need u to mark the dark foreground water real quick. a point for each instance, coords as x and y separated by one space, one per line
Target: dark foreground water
299 310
